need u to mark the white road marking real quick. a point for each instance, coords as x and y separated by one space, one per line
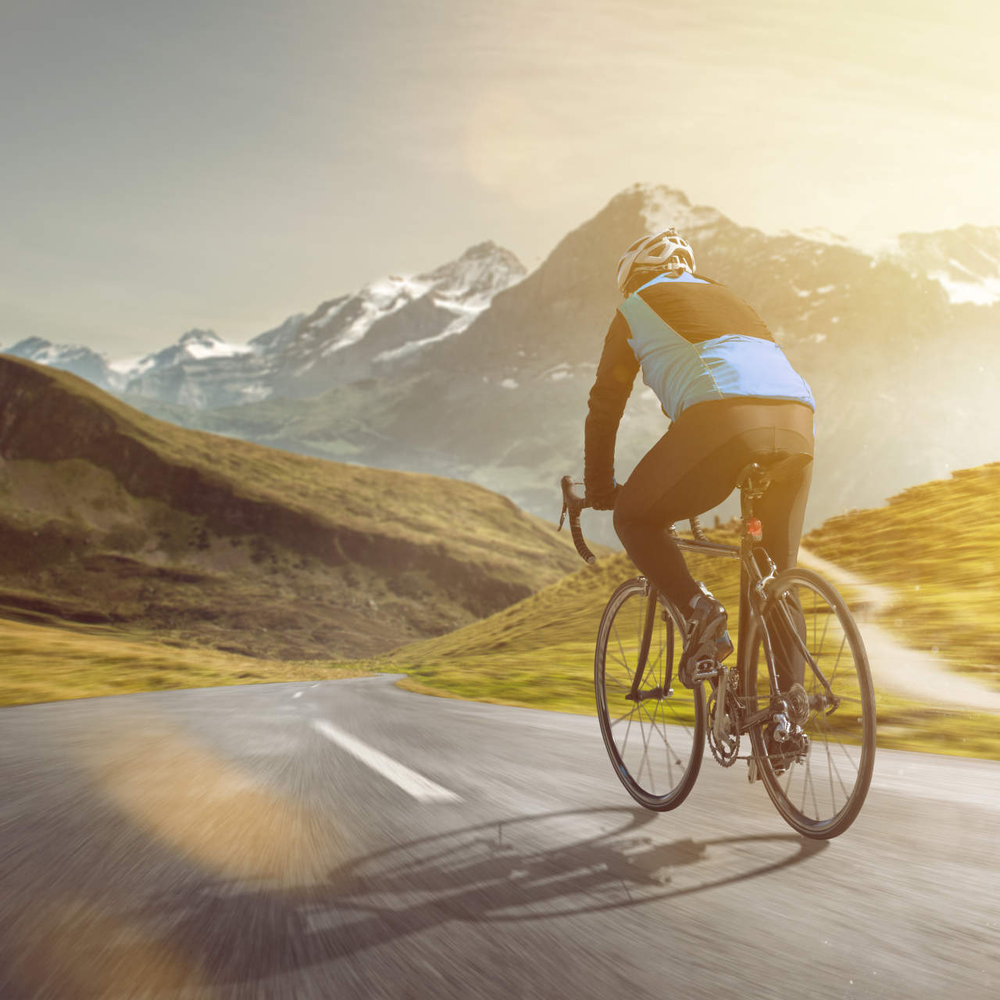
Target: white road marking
421 788
298 694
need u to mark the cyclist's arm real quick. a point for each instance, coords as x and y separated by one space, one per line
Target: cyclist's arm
612 387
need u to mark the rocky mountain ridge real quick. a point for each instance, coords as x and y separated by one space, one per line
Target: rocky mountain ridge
342 338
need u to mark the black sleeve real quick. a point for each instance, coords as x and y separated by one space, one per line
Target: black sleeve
612 387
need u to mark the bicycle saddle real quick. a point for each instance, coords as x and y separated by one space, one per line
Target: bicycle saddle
772 468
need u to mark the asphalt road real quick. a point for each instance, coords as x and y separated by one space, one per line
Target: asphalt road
240 842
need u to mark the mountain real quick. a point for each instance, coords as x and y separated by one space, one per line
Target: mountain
80 361
897 368
964 261
477 372
343 339
110 516
188 372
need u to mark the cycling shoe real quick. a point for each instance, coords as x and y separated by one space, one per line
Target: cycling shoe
706 637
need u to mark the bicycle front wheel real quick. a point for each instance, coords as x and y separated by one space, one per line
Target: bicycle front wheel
818 784
655 741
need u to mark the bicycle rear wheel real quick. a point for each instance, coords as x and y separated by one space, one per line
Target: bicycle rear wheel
655 743
818 787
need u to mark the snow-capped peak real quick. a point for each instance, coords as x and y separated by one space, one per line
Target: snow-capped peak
195 345
464 287
81 361
201 344
964 261
664 207
819 234
44 352
474 278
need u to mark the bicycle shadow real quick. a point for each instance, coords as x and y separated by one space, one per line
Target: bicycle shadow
514 870
527 868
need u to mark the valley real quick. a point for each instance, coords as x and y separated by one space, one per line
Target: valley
111 518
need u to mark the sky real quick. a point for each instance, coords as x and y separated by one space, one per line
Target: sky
221 164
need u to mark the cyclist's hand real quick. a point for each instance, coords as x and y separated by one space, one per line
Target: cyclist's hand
604 498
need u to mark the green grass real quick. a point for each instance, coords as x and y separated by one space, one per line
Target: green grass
937 547
539 653
53 663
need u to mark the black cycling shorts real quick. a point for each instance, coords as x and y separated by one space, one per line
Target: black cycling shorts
694 467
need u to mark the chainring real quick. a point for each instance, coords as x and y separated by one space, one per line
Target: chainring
727 751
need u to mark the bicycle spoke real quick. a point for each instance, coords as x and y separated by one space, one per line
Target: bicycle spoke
629 715
652 719
621 649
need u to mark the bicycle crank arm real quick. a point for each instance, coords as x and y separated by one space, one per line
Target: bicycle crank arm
720 704
658 693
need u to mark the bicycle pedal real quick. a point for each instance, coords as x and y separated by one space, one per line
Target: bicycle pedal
751 770
707 669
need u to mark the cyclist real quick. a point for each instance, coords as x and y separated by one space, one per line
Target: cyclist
732 398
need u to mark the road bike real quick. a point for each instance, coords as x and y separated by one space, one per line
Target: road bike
800 689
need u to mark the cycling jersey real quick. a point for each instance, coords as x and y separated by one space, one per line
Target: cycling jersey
696 341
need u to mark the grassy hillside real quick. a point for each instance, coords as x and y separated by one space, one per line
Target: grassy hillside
110 516
539 653
937 546
51 662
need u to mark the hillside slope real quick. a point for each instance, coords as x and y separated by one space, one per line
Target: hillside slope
108 515
540 652
937 545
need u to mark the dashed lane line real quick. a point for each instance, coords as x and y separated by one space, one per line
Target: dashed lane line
421 788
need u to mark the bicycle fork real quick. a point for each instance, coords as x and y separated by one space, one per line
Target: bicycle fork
652 609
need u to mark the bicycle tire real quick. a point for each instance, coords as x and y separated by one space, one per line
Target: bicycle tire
843 738
658 769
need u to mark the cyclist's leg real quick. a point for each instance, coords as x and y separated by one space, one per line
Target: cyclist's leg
681 476
781 511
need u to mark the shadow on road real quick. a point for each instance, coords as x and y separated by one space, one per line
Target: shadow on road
556 864
520 869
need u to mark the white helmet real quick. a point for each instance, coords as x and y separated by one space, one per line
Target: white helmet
653 254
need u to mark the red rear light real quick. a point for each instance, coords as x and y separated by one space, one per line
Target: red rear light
755 529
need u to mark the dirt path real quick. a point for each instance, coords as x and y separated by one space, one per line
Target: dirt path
909 672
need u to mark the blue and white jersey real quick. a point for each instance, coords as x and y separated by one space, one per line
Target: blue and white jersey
695 340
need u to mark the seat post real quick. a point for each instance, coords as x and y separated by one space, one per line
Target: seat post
753 482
